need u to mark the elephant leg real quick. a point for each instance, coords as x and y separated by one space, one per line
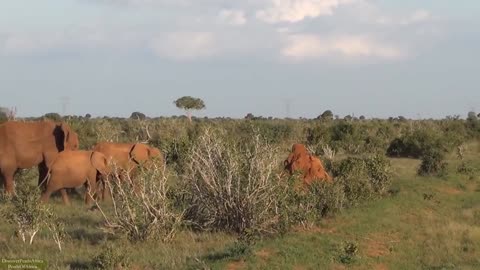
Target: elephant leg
91 189
106 195
47 193
89 196
65 199
42 175
8 175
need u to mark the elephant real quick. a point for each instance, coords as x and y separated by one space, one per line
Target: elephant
311 166
128 157
27 144
72 169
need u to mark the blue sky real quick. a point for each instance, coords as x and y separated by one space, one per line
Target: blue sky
377 58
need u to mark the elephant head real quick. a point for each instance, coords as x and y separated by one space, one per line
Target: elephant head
295 160
71 138
65 137
99 162
144 155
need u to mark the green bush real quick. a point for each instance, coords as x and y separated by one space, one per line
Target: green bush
363 178
307 207
111 257
433 163
30 217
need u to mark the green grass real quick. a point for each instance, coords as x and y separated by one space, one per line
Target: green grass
429 223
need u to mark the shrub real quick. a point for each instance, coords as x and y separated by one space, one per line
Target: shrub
111 257
232 187
142 208
53 116
347 253
309 206
138 116
363 178
29 217
433 163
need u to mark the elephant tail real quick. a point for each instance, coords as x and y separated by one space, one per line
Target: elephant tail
45 180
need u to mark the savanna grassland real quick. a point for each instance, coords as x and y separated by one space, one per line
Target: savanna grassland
405 196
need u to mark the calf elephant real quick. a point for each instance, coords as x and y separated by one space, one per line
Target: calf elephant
310 166
72 169
128 157
27 144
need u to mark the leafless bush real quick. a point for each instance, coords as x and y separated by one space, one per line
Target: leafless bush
107 132
232 186
141 208
29 217
328 152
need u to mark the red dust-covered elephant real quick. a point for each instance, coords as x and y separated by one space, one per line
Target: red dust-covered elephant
72 169
127 158
27 144
311 167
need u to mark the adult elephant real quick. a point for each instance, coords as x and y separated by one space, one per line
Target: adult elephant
27 144
72 169
126 158
311 167
129 156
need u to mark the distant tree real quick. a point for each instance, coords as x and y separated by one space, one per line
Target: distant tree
138 116
3 114
472 116
88 116
473 122
250 116
348 118
326 115
478 115
402 119
53 116
362 117
188 104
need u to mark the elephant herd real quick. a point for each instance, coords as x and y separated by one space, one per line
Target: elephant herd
54 148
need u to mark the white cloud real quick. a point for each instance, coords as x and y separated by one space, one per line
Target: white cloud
233 17
417 16
297 10
184 46
306 46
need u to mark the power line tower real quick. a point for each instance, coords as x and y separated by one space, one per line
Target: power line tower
288 107
65 101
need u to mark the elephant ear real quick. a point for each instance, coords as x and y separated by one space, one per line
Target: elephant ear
139 153
66 134
99 162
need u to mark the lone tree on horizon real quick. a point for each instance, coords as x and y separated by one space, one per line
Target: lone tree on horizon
188 104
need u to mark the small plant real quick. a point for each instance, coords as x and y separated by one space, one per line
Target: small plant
348 253
236 251
111 257
24 211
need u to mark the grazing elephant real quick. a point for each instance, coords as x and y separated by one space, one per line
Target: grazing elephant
27 144
127 157
72 169
311 166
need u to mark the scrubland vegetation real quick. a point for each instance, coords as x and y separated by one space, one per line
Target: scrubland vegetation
405 196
